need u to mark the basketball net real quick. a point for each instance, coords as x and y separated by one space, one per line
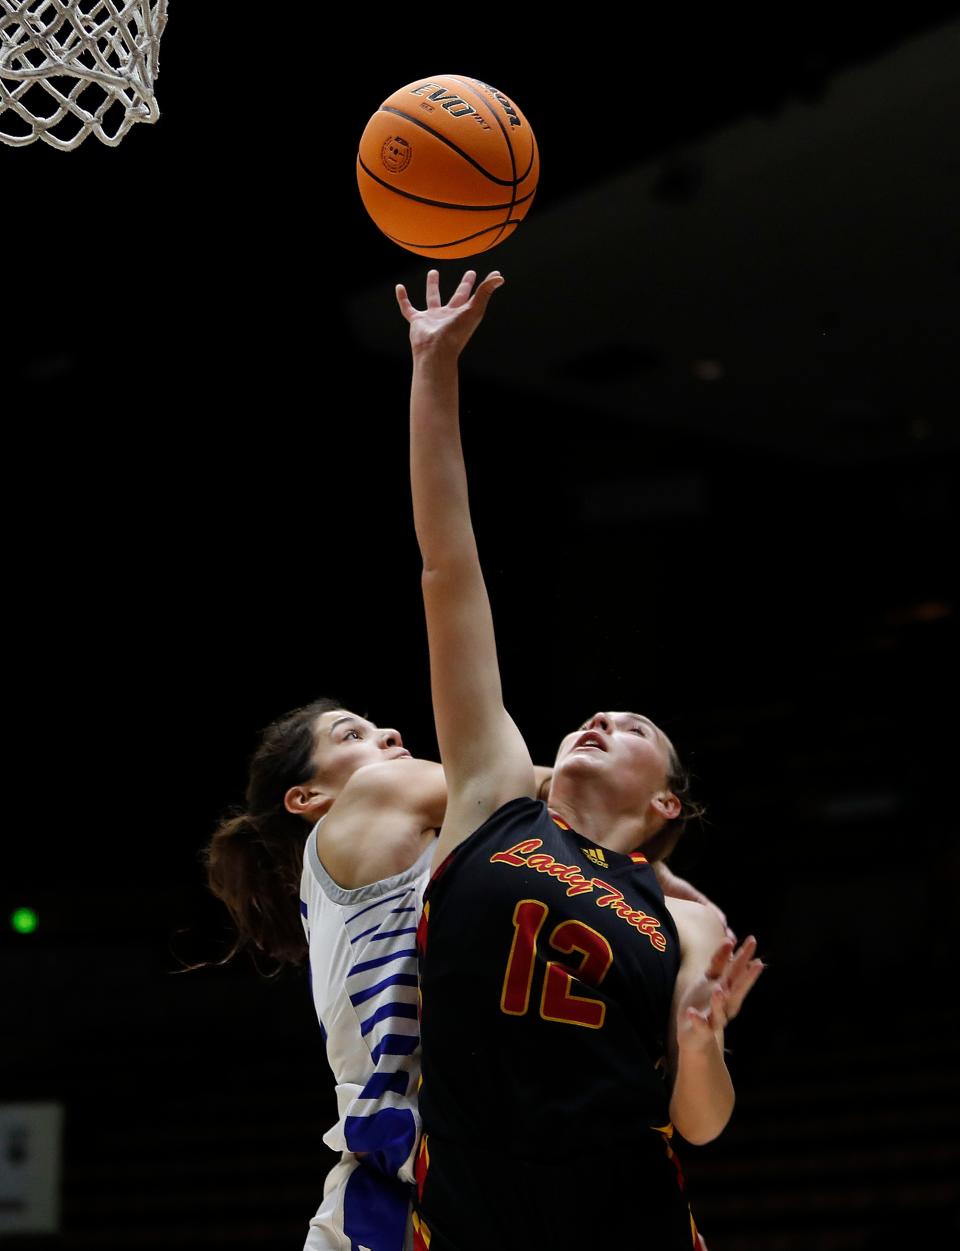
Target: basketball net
71 68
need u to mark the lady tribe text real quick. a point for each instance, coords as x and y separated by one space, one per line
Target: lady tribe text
522 855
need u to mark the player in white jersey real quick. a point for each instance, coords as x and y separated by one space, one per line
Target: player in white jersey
372 811
359 877
363 975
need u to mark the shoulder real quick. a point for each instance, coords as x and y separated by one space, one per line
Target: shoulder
402 783
698 926
381 821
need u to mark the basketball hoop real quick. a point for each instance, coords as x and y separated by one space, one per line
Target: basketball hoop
70 68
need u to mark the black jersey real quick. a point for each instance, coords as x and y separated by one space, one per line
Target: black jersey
547 970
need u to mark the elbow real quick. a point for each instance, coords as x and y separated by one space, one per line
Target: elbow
697 1135
433 579
700 1125
441 570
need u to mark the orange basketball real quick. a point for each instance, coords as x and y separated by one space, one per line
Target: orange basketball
448 166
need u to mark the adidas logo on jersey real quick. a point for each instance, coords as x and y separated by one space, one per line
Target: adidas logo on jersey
595 855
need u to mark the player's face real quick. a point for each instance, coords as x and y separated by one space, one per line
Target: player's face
345 742
627 748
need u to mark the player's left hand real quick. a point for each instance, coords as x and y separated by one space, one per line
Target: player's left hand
715 998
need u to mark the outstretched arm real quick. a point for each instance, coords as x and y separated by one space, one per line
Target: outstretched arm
484 758
711 986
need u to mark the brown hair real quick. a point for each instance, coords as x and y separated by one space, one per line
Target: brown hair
666 838
255 858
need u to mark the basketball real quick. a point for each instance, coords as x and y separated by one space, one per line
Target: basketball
448 166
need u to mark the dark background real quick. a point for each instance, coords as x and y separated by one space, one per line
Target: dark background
712 435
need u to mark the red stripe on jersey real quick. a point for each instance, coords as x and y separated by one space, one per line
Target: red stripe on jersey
421 1230
421 1234
421 940
421 1166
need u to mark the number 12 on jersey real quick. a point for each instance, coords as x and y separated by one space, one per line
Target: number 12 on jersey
557 1000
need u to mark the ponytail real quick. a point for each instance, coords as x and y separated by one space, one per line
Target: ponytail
254 860
255 870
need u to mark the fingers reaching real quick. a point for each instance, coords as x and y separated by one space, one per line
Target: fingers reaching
481 297
441 328
704 1021
406 308
463 295
741 977
720 960
741 958
734 973
464 290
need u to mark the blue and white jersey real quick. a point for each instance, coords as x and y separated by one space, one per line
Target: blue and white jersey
363 974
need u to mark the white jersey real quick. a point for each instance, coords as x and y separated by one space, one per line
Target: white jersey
363 975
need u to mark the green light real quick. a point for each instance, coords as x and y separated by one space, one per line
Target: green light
24 920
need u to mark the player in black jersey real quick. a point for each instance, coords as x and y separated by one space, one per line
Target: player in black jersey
570 1017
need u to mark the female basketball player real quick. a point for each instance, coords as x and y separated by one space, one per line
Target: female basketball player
555 983
359 878
371 812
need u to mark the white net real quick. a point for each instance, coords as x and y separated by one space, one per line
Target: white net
71 68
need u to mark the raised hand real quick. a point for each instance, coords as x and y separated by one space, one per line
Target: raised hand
447 328
716 997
